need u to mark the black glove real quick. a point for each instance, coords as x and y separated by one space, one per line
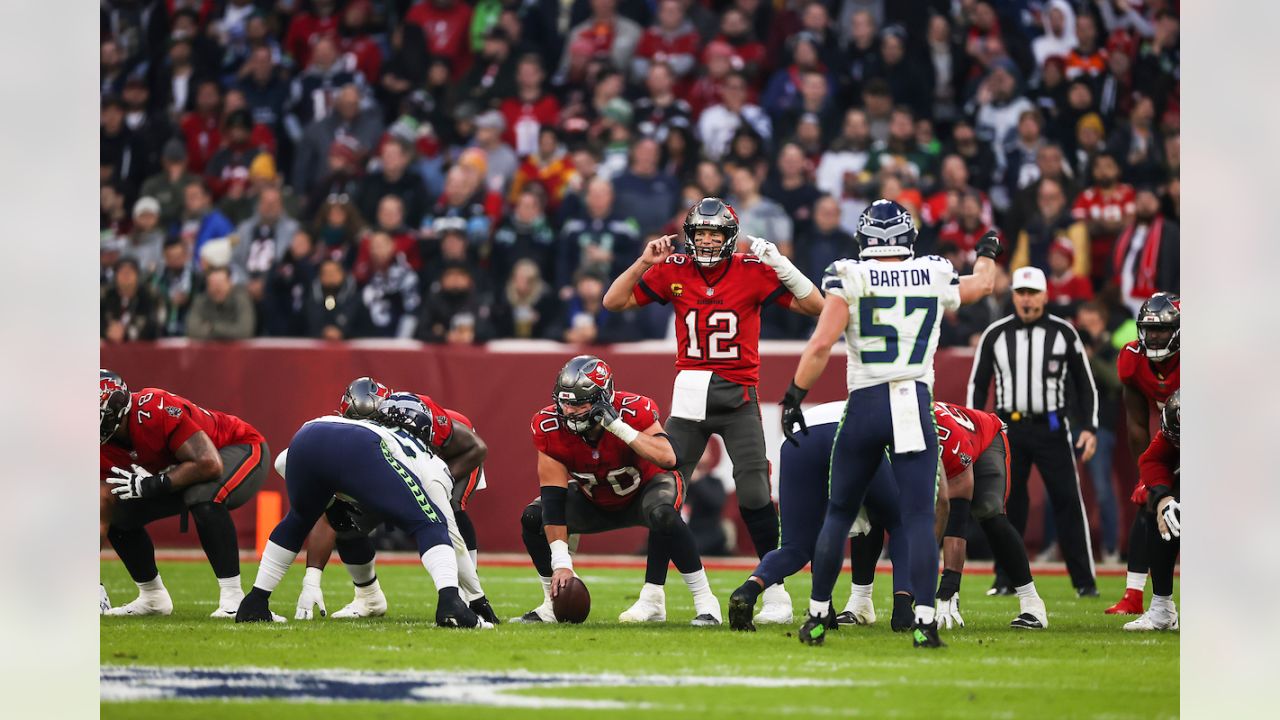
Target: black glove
989 245
791 413
603 412
255 607
342 516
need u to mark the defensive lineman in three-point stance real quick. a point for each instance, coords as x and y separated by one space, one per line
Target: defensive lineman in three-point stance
887 306
717 294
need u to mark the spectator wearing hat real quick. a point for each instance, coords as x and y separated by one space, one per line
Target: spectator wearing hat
167 185
454 311
1050 221
201 221
224 311
718 123
1146 258
123 155
492 76
146 238
659 109
128 306
704 91
531 109
500 160
672 40
1106 208
600 240
333 306
263 240
396 177
615 132
390 292
604 34
174 284
549 167
1090 141
644 193
348 119
1066 289
446 24
345 168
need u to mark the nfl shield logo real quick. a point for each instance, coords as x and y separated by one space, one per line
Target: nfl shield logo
1054 365
711 291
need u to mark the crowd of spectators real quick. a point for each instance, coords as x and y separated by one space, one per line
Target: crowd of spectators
464 170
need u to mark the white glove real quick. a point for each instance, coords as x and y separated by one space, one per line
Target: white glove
311 596
948 612
128 485
795 281
861 525
1169 518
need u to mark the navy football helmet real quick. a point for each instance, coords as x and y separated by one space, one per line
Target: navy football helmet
885 229
1159 325
1171 418
713 214
407 412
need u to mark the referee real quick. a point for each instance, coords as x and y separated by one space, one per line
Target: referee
1040 371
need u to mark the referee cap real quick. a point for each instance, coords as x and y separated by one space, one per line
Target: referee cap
1029 278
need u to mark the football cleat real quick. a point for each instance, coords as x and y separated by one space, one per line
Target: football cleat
999 588
480 606
814 629
707 611
148 603
705 620
925 635
363 605
651 606
1029 621
451 612
1154 619
1090 591
1129 604
858 611
104 602
904 613
228 603
777 606
741 607
541 614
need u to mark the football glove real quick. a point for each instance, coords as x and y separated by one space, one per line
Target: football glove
989 245
137 483
603 412
792 414
1169 518
765 250
790 277
948 612
342 515
311 597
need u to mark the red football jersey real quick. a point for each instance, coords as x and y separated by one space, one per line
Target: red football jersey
1157 466
160 422
964 434
717 311
1156 381
610 472
443 419
1096 204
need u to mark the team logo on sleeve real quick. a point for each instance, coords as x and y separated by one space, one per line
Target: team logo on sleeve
173 410
677 289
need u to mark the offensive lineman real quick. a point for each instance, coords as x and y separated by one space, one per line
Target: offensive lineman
163 455
717 294
383 464
887 306
1148 369
612 446
454 442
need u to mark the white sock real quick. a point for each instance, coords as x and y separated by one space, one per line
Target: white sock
474 555
442 566
373 589
546 588
819 608
274 564
1027 592
861 591
362 574
697 582
924 614
231 583
154 585
1162 602
1135 581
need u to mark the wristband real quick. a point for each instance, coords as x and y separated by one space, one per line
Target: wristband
155 485
792 279
312 577
622 430
560 559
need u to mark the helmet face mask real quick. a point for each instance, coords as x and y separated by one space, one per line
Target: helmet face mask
885 229
1159 326
710 214
1171 418
582 382
114 402
362 398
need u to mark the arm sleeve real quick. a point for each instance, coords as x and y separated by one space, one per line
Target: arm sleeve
948 283
1086 389
980 375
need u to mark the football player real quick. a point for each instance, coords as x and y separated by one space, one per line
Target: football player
887 305
975 460
384 464
1148 369
611 446
347 526
717 294
163 455
1158 489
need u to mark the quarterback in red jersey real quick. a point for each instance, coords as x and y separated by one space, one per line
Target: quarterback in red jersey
1158 490
347 527
717 294
1149 373
164 456
611 446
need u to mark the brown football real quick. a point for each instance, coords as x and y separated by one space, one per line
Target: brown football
573 603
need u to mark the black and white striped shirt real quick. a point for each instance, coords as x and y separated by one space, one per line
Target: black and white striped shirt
1031 363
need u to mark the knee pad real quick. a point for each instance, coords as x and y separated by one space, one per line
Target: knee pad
531 518
664 518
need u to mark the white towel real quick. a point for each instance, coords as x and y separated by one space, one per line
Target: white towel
905 409
689 396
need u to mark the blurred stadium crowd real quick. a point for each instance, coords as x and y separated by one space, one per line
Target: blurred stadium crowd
459 171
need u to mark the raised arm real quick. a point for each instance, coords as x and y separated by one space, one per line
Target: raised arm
621 294
978 285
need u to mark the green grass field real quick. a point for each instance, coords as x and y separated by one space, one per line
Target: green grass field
1082 666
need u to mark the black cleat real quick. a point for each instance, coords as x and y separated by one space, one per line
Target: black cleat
1026 621
926 636
814 630
530 617
481 607
451 612
904 613
741 610
1089 591
254 607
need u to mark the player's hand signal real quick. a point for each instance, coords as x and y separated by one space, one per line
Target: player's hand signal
659 250
763 249
989 245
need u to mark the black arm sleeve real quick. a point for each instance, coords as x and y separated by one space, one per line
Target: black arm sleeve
553 502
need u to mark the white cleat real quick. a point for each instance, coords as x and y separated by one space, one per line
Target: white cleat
150 603
104 602
1154 619
858 611
776 609
706 612
1033 616
650 607
544 613
228 603
363 606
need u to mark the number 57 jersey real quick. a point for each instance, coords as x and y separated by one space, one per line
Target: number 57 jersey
609 472
895 309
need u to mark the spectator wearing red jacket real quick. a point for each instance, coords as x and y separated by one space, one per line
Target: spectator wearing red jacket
201 128
355 39
1106 208
531 109
971 223
305 28
1066 290
672 40
447 26
748 52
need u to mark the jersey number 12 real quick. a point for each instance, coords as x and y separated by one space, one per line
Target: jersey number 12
723 327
